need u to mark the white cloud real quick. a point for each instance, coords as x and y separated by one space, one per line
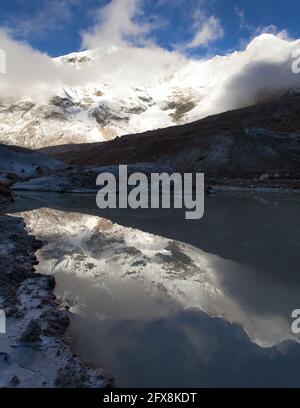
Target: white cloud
273 29
242 19
210 30
122 22
115 24
256 31
29 73
49 16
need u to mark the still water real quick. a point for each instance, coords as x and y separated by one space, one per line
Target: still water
158 301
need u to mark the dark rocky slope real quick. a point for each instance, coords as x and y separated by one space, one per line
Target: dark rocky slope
259 143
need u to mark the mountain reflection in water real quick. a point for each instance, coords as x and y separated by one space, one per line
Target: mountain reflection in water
160 301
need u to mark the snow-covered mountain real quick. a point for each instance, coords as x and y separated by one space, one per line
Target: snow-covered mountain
101 94
101 110
113 271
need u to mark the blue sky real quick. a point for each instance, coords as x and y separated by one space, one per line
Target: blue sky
196 27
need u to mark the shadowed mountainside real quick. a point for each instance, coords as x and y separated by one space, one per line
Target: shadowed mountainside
243 144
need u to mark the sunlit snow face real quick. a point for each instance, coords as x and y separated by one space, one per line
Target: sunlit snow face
111 91
218 84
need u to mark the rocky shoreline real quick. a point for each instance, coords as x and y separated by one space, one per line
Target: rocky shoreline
35 351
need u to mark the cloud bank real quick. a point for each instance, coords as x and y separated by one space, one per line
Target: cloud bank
29 73
262 71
